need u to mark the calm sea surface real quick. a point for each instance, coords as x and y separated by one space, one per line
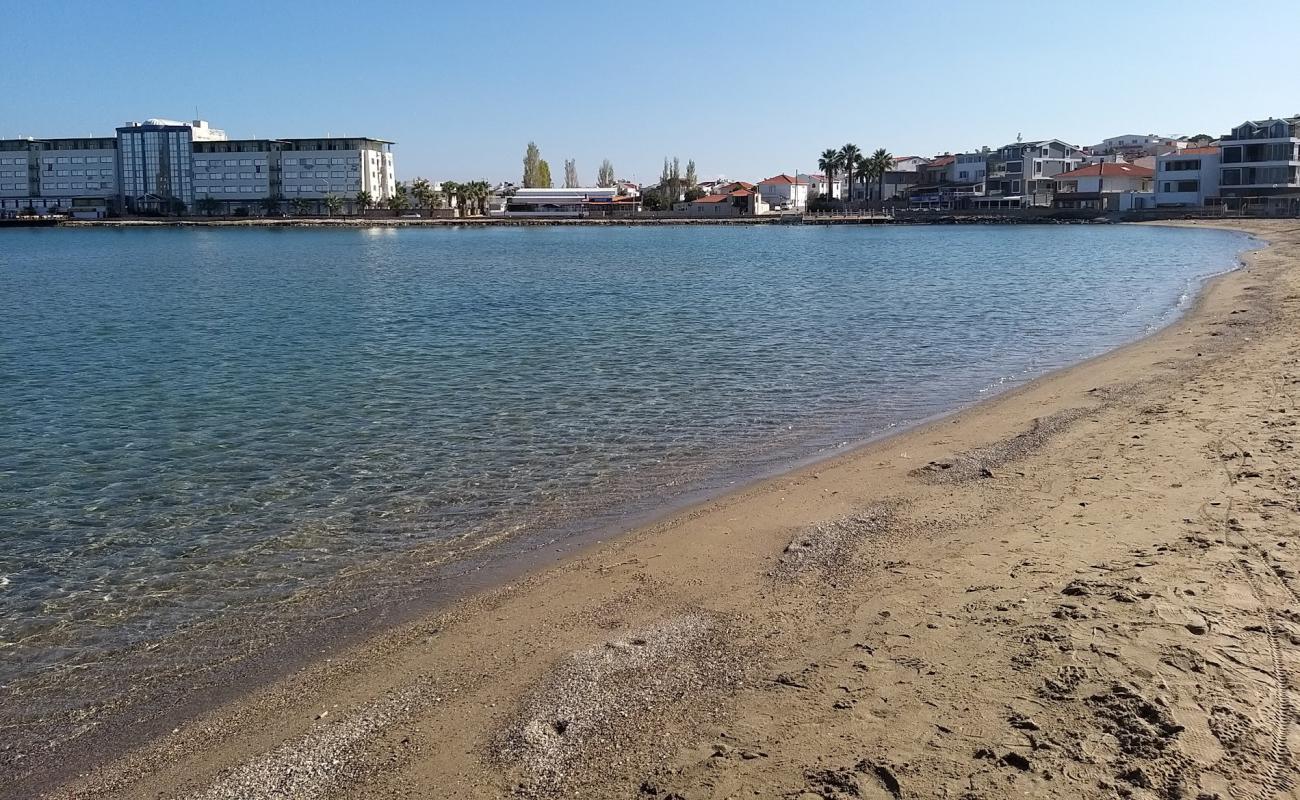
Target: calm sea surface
212 424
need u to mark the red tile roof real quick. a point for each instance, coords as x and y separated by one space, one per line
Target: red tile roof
782 180
1195 151
712 198
741 193
1109 169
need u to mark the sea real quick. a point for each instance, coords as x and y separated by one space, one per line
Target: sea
212 438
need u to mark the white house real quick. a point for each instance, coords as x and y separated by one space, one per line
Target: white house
909 163
1188 178
819 186
1133 144
784 192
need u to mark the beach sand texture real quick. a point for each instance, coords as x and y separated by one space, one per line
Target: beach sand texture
1084 588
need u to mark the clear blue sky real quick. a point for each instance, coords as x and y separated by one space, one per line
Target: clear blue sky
747 89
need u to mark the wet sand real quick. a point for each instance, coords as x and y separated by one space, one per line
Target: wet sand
1083 588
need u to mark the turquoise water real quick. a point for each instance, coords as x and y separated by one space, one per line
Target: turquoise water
203 423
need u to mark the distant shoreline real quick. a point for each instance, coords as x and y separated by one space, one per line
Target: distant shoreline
490 222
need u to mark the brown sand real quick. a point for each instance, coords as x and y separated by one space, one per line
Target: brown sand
1085 588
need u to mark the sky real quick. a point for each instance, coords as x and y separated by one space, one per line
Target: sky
746 89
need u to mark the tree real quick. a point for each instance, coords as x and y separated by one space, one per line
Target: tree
675 182
422 191
532 167
399 201
544 175
866 170
571 174
364 200
692 180
270 205
882 161
478 193
605 175
829 164
449 190
333 204
208 205
849 154
300 205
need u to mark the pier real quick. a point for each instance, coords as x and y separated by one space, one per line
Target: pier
847 218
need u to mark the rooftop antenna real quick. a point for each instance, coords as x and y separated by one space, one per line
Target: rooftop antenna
1019 138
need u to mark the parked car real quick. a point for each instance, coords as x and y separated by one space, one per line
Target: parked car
411 216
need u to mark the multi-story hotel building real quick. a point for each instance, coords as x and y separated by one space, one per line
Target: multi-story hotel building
164 166
1259 166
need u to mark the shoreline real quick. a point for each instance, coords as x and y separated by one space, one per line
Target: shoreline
597 559
317 223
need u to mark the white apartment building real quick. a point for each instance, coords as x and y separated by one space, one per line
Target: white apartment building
166 166
1187 178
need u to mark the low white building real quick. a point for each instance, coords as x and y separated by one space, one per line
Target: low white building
1188 178
784 192
1134 144
572 203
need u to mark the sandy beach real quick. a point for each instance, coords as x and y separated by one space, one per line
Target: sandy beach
1082 588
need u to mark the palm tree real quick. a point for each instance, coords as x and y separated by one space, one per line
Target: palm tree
398 202
449 190
209 205
849 155
364 201
829 163
866 169
270 205
333 204
482 190
882 161
422 192
300 205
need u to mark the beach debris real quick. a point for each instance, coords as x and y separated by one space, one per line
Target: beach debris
1013 759
980 462
884 774
826 550
597 703
1022 722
